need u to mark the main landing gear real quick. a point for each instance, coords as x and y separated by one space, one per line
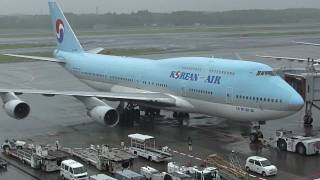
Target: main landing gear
180 116
128 114
150 115
255 133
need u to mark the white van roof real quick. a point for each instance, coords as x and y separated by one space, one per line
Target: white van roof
72 163
258 158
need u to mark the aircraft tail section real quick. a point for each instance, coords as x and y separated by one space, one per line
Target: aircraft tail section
66 39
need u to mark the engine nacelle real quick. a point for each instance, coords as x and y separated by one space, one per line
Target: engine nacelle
16 108
105 114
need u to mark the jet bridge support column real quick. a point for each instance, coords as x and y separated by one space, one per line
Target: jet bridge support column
312 96
308 119
308 86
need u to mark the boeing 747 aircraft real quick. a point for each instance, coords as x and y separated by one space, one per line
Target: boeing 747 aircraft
232 89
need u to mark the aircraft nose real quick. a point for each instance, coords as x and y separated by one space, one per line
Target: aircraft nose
296 102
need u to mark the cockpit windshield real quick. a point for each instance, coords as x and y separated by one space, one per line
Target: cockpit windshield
266 73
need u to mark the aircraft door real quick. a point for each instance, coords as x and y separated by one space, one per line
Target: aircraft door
183 91
229 95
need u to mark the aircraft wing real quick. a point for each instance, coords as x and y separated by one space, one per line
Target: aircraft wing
36 58
147 97
289 58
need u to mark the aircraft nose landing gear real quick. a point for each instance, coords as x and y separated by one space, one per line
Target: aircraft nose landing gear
255 133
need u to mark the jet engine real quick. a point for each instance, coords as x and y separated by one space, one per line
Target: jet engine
14 107
105 114
100 111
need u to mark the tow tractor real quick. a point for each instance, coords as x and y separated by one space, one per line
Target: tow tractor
12 144
145 146
286 140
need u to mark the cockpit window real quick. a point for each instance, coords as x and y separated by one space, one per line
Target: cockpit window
266 73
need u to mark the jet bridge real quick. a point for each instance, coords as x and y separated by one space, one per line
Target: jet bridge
307 84
305 80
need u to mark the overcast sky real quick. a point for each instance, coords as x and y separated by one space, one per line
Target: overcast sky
127 6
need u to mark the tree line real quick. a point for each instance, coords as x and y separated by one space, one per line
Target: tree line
180 18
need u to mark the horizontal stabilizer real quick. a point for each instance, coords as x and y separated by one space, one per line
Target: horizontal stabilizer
307 43
36 58
96 50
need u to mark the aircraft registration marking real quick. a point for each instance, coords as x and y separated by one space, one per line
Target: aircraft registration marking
244 109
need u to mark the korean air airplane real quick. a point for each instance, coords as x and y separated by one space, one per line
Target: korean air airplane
232 89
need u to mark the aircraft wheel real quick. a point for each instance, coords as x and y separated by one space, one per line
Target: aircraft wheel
308 120
254 137
264 174
301 149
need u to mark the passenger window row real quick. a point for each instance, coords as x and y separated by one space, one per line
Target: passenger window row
94 74
273 100
111 77
154 84
122 79
125 79
221 72
191 68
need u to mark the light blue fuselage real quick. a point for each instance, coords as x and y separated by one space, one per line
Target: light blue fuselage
226 88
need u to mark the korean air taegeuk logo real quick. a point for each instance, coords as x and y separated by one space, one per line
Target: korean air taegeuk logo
59 30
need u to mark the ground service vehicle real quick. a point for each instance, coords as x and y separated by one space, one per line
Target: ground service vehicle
13 144
260 165
71 169
128 175
287 141
195 173
101 177
145 146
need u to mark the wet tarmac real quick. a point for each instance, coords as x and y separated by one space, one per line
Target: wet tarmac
65 119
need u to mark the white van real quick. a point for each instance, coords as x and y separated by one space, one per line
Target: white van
73 170
260 165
